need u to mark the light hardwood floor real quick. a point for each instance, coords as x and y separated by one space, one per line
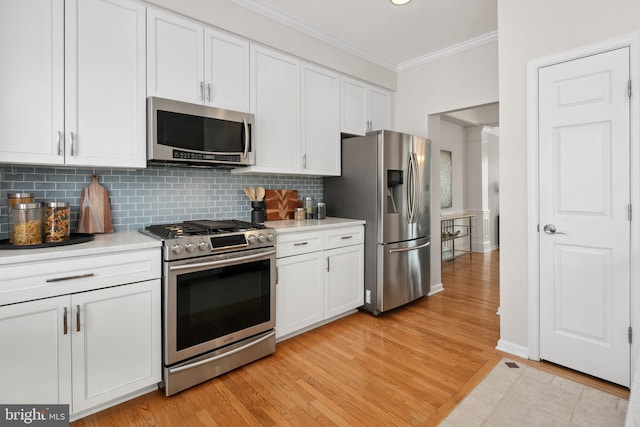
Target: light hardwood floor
407 367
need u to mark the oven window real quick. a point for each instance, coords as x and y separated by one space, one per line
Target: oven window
214 303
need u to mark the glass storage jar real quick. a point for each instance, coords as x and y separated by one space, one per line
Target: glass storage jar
27 223
12 199
56 221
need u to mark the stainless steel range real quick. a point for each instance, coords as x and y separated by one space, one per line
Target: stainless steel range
218 284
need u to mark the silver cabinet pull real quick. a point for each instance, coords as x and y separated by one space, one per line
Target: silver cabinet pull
301 244
328 263
346 237
59 139
551 229
202 91
60 279
209 92
78 318
65 321
73 153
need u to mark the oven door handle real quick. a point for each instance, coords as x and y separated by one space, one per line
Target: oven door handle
220 356
219 263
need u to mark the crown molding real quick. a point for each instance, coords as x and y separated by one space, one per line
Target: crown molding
284 19
449 51
258 7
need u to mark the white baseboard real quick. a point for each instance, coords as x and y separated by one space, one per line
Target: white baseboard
511 348
437 288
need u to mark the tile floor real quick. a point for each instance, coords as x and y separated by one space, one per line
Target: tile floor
526 396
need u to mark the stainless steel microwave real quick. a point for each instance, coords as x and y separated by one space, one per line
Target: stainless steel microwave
193 134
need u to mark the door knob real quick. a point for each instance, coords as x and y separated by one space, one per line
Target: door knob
551 229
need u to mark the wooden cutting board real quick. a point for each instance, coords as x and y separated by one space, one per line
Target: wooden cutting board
95 211
281 204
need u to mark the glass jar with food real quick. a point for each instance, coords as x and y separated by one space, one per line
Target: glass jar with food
56 221
12 199
27 223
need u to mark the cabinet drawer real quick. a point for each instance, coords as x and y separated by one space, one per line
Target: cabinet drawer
34 280
298 243
346 236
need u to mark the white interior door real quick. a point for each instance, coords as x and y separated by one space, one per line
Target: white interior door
584 197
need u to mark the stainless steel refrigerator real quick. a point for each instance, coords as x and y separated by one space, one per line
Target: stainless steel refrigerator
386 180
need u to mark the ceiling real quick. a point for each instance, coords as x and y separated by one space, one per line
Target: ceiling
383 33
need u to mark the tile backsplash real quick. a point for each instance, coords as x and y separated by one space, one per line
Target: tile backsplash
158 194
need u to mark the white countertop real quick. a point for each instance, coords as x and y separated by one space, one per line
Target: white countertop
102 244
291 225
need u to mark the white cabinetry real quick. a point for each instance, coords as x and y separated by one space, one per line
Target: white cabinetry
320 121
364 107
297 109
91 345
320 277
79 98
189 62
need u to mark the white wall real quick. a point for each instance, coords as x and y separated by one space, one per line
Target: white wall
467 79
238 20
530 30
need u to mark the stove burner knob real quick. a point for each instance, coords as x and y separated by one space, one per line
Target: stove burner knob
177 249
262 238
271 237
190 247
252 239
203 246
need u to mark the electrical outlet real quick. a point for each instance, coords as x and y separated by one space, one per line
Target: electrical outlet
367 296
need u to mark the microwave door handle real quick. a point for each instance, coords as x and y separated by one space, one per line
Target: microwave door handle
246 138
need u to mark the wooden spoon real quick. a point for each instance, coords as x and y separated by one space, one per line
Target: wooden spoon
252 194
247 191
259 194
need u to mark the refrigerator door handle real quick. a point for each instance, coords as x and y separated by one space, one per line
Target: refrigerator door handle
413 248
412 187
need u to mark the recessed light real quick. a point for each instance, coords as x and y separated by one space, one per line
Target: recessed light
400 2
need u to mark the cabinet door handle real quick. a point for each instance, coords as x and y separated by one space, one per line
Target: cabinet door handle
202 91
328 263
300 244
60 279
73 153
209 92
346 237
78 318
304 161
59 139
64 323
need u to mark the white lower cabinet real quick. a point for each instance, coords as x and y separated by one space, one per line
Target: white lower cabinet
85 349
320 277
299 292
91 346
115 342
343 279
35 360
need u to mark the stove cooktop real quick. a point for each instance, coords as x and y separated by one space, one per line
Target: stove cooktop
201 227
196 238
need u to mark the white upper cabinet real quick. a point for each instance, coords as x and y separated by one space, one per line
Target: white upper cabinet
320 121
80 98
275 101
297 109
226 71
105 109
364 107
32 81
189 62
